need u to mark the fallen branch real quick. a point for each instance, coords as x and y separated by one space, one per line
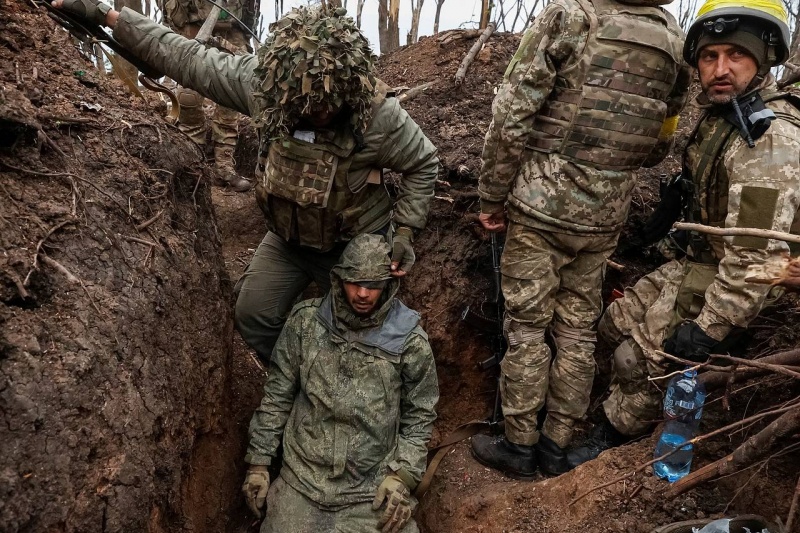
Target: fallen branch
738 232
720 378
779 369
695 440
415 91
470 57
753 449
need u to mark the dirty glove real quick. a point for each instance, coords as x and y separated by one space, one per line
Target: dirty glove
666 214
255 487
689 341
402 253
398 505
93 11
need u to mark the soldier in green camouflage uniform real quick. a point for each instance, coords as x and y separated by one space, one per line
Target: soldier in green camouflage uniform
690 306
327 127
352 395
186 17
591 95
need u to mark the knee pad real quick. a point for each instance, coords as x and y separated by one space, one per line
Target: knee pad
521 332
625 361
566 336
189 98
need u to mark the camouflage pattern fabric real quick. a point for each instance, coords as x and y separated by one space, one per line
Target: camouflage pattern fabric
744 187
181 13
352 397
288 510
300 72
558 149
546 277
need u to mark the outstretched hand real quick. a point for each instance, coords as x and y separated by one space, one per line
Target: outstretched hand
93 11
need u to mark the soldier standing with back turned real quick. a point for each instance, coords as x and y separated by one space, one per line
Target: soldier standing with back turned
592 94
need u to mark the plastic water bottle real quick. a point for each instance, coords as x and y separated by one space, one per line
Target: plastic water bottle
683 407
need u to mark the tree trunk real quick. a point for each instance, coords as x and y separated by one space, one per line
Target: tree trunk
126 70
389 25
416 8
486 13
439 4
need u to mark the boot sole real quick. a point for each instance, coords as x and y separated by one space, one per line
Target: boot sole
513 475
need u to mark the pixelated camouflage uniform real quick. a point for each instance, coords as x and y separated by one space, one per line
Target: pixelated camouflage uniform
739 186
353 398
186 17
286 263
589 97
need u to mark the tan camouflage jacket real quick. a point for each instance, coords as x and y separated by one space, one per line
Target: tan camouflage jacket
755 187
547 190
352 405
179 13
392 141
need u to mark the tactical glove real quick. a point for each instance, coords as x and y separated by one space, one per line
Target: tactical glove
93 11
689 341
398 505
666 214
255 487
402 253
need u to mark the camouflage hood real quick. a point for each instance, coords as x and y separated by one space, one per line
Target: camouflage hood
366 258
315 59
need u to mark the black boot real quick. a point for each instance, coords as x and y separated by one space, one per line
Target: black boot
602 437
514 460
552 458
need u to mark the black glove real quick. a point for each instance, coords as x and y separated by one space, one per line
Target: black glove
689 341
93 11
666 214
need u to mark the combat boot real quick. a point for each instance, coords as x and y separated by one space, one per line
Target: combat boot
551 457
603 436
514 460
224 164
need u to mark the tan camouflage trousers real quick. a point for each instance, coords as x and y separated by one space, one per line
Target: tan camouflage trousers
288 511
638 323
550 280
224 121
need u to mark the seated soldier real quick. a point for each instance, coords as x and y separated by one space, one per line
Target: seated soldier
351 391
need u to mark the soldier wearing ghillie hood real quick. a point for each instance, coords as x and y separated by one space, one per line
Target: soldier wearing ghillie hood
592 95
327 130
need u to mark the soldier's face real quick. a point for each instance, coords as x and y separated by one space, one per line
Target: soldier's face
362 299
322 114
725 71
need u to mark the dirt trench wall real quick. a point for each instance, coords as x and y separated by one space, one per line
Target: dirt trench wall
114 308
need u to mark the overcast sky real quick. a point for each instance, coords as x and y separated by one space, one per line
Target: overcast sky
455 14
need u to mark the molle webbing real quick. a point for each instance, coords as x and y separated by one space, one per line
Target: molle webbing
613 116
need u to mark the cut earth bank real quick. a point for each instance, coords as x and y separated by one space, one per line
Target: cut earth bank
126 395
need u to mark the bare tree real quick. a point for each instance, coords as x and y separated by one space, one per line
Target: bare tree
439 4
416 9
389 25
359 10
791 71
686 11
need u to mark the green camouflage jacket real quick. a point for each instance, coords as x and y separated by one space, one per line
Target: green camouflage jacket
559 90
392 140
755 187
353 398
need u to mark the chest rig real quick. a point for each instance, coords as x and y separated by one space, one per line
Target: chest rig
310 193
708 183
607 109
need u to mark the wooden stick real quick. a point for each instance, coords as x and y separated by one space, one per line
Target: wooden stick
780 369
753 448
415 91
473 52
144 225
793 507
41 242
734 232
720 378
